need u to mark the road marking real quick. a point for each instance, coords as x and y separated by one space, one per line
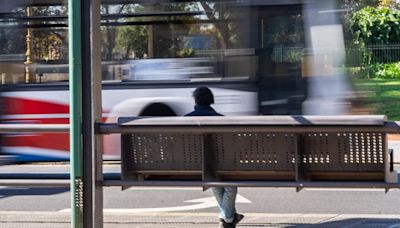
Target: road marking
202 203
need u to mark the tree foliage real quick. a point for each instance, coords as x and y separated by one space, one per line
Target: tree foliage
354 5
389 4
51 43
375 26
129 41
46 43
122 42
374 30
11 40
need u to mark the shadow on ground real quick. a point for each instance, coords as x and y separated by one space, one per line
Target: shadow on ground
20 191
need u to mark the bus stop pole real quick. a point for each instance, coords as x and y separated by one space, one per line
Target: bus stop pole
85 110
87 129
91 113
96 115
75 112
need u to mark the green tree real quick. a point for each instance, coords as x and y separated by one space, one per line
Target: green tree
131 40
13 40
50 43
109 33
375 26
354 5
389 4
229 34
161 38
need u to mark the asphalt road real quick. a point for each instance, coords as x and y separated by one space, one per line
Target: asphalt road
251 200
193 199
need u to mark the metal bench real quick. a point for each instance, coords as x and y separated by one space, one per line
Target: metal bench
277 151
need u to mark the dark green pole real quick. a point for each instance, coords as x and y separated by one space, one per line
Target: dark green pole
75 112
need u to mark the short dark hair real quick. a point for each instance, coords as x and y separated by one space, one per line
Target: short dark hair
203 96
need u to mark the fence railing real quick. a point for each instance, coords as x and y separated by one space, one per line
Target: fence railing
371 54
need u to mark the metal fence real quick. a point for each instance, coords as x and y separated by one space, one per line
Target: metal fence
383 53
355 56
373 54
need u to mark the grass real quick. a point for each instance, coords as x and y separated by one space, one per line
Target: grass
382 96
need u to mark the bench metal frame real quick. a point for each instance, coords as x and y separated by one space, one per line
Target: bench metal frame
263 151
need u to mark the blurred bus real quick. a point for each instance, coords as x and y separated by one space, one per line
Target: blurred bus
258 57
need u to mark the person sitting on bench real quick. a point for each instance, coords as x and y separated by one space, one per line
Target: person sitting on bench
225 196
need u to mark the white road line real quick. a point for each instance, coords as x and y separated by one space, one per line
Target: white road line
202 203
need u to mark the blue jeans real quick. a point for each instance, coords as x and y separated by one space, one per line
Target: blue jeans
226 198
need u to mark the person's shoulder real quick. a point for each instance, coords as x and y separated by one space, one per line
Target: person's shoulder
215 113
193 113
211 112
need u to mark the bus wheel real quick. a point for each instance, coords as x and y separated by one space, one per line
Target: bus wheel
157 109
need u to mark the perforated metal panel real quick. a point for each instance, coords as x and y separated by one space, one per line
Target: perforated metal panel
343 151
148 151
255 151
320 155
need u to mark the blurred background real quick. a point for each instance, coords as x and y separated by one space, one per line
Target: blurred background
284 57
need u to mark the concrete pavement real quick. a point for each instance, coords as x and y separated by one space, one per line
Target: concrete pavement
203 220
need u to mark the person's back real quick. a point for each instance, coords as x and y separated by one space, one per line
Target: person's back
225 196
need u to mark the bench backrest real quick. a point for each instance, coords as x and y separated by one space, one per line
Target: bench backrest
258 148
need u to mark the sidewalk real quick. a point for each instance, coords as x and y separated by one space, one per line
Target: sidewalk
203 220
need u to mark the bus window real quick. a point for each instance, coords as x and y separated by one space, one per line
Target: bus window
38 34
281 50
194 41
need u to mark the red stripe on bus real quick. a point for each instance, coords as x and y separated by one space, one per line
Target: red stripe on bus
15 106
51 141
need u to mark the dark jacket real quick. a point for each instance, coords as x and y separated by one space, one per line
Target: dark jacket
203 110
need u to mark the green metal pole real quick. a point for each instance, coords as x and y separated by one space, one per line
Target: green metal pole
75 112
